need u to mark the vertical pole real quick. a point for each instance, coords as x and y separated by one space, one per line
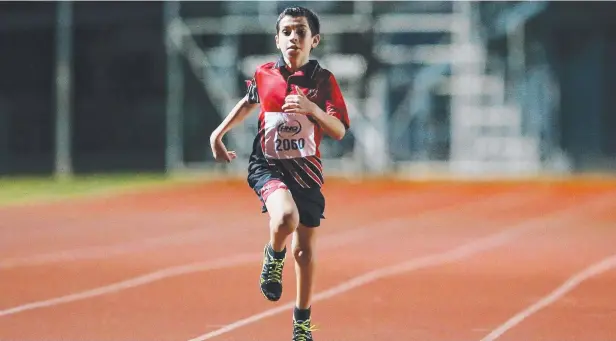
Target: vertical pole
516 57
4 138
64 45
175 88
462 136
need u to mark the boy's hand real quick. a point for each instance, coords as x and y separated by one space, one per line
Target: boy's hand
219 150
299 104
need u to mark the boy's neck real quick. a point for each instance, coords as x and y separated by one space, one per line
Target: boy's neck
294 65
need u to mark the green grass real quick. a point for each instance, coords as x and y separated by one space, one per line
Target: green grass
18 190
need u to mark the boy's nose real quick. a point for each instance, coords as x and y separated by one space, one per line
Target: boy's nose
293 36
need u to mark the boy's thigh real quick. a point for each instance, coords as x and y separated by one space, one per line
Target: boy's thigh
274 195
309 202
311 206
279 200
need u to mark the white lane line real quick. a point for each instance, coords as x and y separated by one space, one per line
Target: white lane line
134 282
591 271
192 236
330 241
558 218
104 251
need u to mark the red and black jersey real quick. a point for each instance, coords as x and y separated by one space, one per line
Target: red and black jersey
290 142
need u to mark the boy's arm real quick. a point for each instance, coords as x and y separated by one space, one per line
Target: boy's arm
239 112
331 125
334 121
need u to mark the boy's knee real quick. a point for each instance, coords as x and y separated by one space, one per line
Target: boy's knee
285 222
303 256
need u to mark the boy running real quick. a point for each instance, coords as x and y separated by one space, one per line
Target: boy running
300 101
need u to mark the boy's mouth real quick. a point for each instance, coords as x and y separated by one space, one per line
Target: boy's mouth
293 48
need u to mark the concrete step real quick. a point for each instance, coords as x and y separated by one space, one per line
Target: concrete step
506 148
421 22
466 116
473 85
486 154
465 54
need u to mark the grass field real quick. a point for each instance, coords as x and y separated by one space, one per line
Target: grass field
19 190
24 190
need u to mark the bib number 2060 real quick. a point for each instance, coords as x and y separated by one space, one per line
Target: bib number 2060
290 144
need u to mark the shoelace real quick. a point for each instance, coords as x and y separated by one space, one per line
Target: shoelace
302 329
274 270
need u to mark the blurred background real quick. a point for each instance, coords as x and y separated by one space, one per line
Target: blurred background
463 89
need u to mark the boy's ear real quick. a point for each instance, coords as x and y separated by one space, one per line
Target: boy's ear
316 40
276 38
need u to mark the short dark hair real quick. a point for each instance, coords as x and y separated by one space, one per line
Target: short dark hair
311 17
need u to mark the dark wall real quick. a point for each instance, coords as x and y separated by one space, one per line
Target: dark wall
26 66
582 39
119 86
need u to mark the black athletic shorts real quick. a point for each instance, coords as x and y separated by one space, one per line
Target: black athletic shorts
310 202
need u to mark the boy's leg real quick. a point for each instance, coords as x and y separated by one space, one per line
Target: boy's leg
284 219
304 240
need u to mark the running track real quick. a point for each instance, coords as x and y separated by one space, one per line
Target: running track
396 261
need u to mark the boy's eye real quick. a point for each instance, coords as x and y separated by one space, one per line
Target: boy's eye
300 32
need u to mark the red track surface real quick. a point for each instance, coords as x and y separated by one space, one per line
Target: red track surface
426 261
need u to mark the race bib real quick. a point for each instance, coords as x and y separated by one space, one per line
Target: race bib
288 135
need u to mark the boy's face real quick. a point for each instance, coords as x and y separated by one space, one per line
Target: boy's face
294 38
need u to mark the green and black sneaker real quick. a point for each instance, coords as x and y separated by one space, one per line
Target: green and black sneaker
271 274
302 330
